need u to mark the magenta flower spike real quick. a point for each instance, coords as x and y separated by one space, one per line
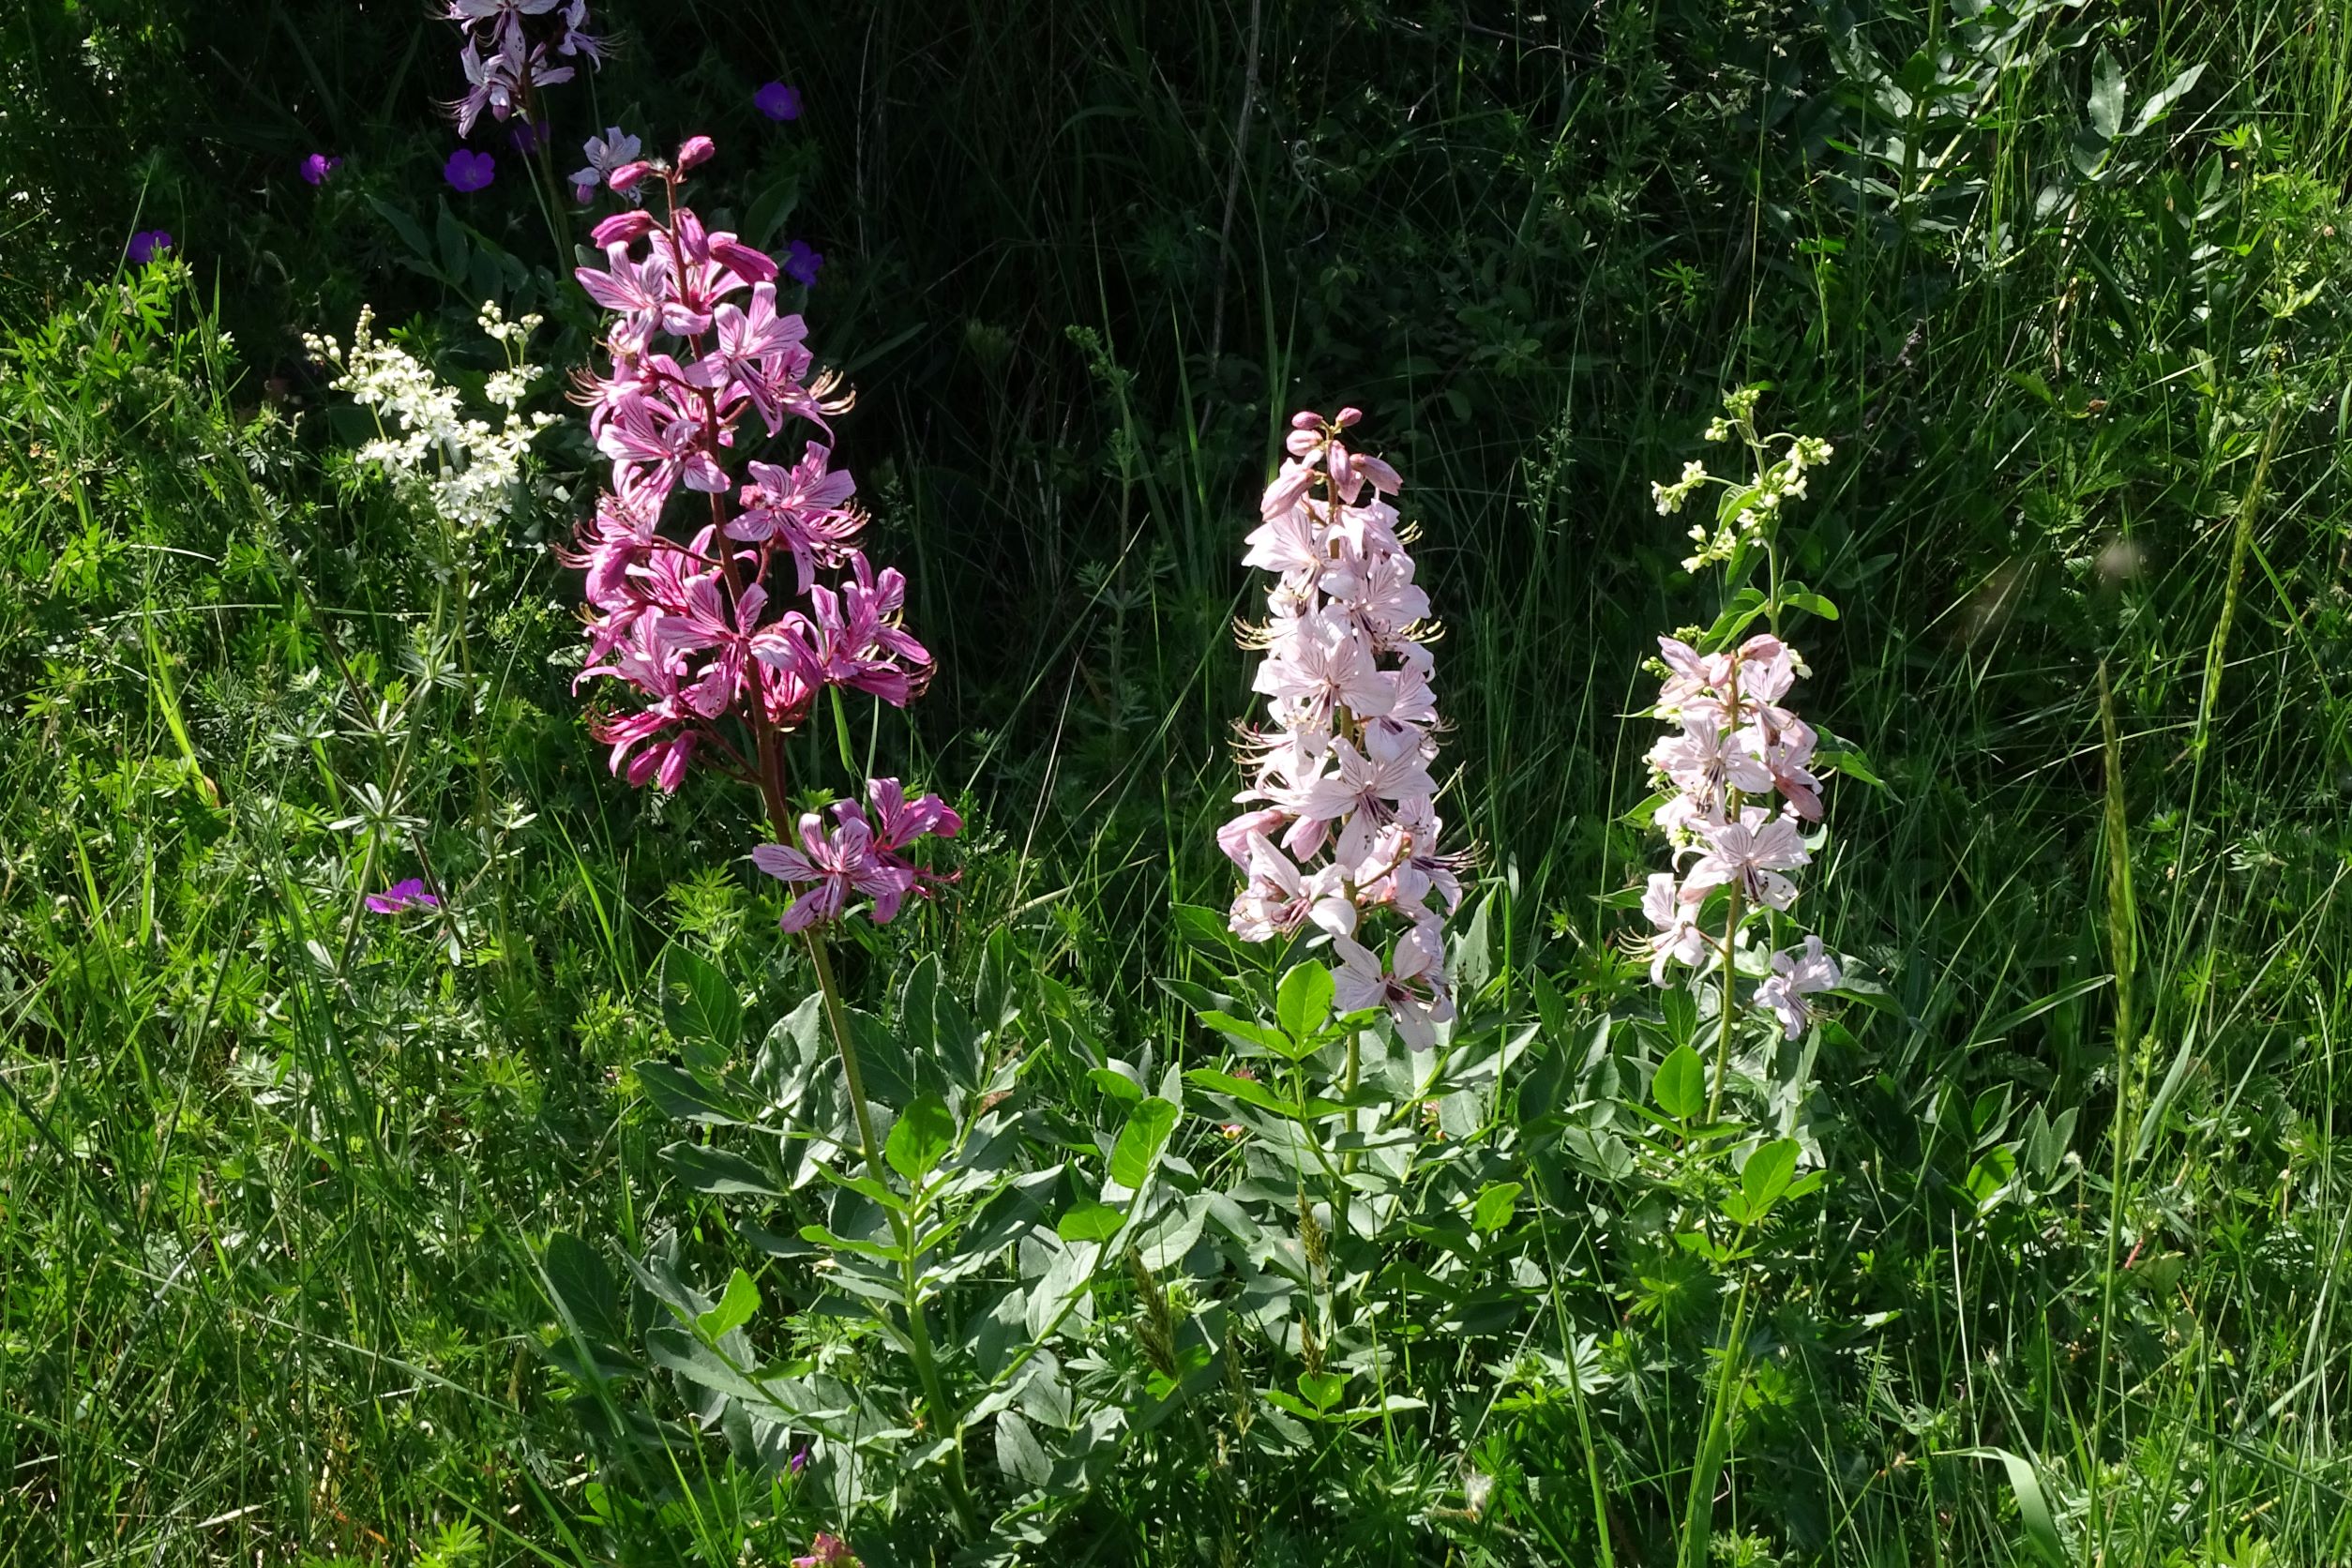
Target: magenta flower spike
720 641
469 171
401 896
1341 831
147 244
319 167
777 101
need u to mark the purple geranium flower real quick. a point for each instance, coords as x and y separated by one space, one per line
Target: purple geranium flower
801 263
469 171
147 243
318 167
777 101
401 895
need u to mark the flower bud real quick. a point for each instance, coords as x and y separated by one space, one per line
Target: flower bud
695 150
752 266
1305 420
622 228
627 175
1348 417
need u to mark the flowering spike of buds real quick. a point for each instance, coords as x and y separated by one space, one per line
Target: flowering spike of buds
1342 829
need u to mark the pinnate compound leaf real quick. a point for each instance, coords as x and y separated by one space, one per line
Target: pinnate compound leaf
1140 1142
1680 1087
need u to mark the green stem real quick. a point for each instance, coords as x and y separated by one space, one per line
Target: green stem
918 1324
1730 998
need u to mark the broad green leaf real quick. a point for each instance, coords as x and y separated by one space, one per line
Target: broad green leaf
1495 1205
1018 1454
735 1308
1140 1142
1090 1221
698 1001
922 1138
2107 95
1116 1084
1303 1001
683 1097
1680 1087
1255 1034
584 1288
1768 1173
2160 102
1322 1389
719 1173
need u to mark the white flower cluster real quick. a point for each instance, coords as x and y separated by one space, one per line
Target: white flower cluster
1344 821
465 467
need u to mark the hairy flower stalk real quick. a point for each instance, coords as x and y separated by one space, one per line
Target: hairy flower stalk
723 641
1342 830
1737 771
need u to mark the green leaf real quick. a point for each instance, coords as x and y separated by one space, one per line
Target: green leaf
1140 1142
1205 927
719 1173
734 1310
1811 603
1495 1206
2033 1504
2160 103
2107 95
1253 1033
1322 1389
1251 1091
584 1288
698 1001
1768 1173
1680 1087
922 1138
683 1097
1303 1001
1090 1221
1116 1084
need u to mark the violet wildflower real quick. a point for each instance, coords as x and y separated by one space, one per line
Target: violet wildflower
1796 978
400 897
319 167
723 640
525 138
147 244
469 171
801 263
603 154
1342 821
777 101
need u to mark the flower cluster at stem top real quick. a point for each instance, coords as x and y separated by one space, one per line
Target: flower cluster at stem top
724 640
1748 506
1341 821
513 47
466 468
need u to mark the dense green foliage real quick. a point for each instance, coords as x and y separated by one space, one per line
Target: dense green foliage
327 1238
